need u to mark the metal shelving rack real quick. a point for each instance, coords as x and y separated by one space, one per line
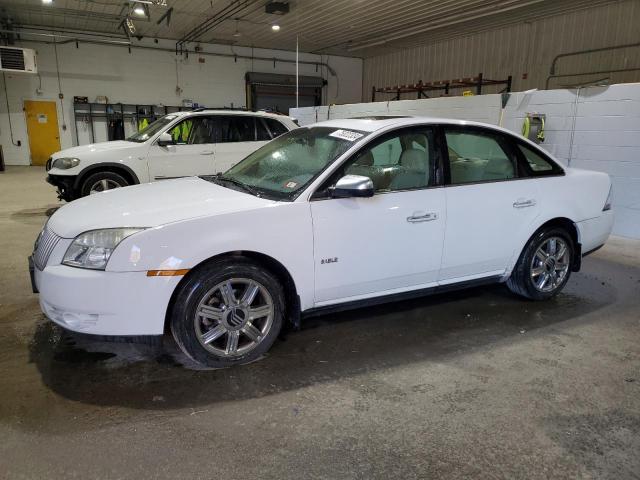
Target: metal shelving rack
90 112
421 88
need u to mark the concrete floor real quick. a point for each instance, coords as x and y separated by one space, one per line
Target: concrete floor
476 384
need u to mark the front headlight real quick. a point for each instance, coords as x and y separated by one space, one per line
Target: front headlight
65 163
92 249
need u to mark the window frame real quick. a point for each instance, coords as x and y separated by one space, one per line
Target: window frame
556 170
220 118
436 177
265 126
504 142
202 118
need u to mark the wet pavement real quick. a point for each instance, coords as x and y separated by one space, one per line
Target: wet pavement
471 384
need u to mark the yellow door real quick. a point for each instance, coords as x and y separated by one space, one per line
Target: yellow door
42 126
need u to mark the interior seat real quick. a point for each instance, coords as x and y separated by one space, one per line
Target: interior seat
498 169
415 170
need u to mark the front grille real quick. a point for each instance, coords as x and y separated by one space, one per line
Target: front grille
45 244
12 58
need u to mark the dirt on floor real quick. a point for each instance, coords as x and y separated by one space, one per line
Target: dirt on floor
473 384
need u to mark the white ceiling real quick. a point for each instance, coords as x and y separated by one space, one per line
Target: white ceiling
359 28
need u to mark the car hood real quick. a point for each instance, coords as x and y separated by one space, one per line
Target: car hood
150 205
95 148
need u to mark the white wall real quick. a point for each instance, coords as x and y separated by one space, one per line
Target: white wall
483 108
149 77
597 128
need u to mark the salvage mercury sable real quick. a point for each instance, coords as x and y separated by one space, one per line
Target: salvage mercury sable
330 216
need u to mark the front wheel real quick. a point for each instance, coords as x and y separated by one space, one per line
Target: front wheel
227 312
101 182
544 267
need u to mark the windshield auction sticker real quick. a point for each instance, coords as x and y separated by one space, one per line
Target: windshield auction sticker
346 135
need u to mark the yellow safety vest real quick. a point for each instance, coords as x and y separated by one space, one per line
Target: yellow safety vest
142 124
180 133
186 130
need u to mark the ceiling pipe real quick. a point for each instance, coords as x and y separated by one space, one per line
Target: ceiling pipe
127 44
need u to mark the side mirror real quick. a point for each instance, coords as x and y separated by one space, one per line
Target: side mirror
164 139
353 186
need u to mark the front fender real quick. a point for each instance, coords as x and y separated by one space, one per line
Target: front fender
282 231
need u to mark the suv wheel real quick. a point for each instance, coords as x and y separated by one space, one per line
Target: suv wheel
227 312
544 267
102 181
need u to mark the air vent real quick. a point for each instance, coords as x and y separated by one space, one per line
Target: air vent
277 8
13 59
17 60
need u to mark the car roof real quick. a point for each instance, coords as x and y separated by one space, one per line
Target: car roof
221 111
373 124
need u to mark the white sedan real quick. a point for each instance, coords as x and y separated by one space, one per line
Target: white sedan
330 216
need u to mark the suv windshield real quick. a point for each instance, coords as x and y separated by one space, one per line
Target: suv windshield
284 166
153 128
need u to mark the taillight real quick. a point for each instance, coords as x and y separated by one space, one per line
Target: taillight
607 203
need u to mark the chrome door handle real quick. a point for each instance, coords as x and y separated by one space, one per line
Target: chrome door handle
427 217
206 152
524 203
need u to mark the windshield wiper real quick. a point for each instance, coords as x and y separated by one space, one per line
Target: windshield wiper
238 183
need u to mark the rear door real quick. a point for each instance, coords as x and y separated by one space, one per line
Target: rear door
191 154
239 135
491 203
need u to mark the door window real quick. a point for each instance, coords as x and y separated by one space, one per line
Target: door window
537 163
276 127
237 128
402 161
194 131
475 156
262 134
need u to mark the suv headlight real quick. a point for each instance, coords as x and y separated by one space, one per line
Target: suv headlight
92 249
65 163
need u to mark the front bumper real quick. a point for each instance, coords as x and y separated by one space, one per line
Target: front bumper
65 185
102 302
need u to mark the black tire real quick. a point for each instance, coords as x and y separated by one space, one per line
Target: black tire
114 180
198 286
521 282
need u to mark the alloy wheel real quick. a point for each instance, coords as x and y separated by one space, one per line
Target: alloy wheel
234 317
550 264
103 185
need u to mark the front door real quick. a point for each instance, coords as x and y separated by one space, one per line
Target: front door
490 205
42 127
192 152
388 243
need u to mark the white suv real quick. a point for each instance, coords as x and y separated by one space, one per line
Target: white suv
177 145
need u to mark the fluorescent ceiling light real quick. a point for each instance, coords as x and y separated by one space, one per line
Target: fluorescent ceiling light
275 28
139 10
47 2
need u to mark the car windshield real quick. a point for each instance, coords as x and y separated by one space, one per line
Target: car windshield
150 130
285 166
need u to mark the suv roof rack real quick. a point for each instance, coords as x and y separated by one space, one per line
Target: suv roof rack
202 109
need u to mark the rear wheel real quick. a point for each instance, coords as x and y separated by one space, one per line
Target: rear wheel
544 267
101 182
227 312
